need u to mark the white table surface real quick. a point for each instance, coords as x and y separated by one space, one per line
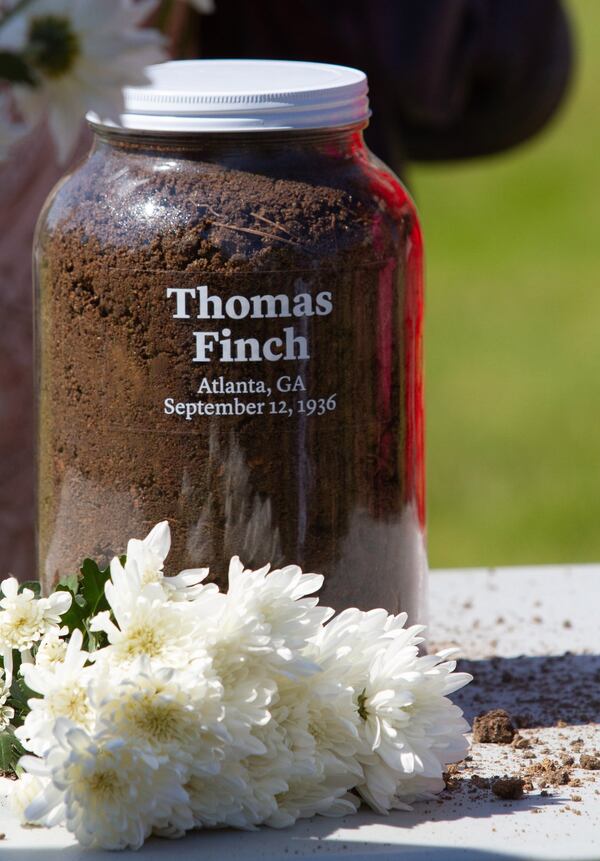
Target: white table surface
531 637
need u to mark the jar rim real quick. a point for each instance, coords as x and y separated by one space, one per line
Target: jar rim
192 96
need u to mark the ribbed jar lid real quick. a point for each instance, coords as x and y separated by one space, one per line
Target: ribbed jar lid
244 95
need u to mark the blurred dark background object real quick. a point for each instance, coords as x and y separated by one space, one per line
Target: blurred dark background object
449 79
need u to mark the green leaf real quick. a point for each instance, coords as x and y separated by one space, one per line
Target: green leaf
76 615
11 751
70 582
20 695
15 69
34 585
87 591
93 581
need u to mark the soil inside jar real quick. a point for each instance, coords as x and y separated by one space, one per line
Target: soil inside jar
327 491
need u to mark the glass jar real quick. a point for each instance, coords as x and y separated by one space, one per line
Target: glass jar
229 311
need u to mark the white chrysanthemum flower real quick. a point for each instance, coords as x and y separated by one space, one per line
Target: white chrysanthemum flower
256 631
24 619
7 713
64 689
174 714
234 710
273 606
150 621
110 794
243 794
312 785
353 637
24 791
52 648
82 53
409 728
328 714
145 562
223 799
269 772
148 625
248 688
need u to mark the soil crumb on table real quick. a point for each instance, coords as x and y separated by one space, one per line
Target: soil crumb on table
511 788
494 727
589 762
549 772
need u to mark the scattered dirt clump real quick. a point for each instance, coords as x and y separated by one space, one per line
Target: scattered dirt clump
509 788
452 774
549 772
480 782
589 762
494 727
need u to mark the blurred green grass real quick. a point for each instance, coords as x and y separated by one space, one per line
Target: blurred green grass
513 339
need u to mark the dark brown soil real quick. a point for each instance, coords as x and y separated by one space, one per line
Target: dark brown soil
589 762
509 788
337 493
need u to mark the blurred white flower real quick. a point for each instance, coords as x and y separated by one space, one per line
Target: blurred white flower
7 713
82 53
24 619
23 792
109 794
205 7
64 689
11 131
